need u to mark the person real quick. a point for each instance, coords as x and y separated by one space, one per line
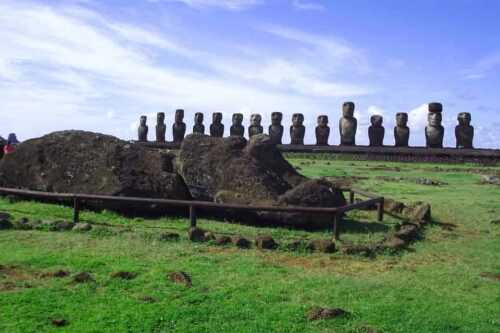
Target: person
3 142
10 147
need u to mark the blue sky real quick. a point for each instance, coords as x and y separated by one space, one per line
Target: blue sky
99 65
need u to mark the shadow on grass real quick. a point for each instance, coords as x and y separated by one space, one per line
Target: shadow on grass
359 227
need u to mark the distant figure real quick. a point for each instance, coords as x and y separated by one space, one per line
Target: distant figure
237 128
276 129
3 142
401 130
297 130
12 142
160 127
143 129
348 125
255 127
322 131
376 131
464 132
434 131
198 127
179 127
217 128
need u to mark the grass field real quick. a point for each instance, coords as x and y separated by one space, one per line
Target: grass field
437 285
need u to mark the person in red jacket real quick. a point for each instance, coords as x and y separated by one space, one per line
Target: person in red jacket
10 147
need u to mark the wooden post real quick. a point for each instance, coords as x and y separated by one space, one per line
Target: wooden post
336 226
351 197
192 216
76 210
380 208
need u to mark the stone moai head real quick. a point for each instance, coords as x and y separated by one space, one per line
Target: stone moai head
237 118
160 118
401 119
255 119
464 118
143 120
376 120
435 119
276 118
323 121
348 110
179 115
435 107
216 117
198 118
297 119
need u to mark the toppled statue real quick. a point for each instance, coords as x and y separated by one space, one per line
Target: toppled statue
322 131
464 132
401 130
143 129
217 128
255 126
276 129
434 131
179 127
237 128
160 127
348 125
376 131
198 126
297 130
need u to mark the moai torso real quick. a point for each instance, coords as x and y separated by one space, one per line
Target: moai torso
348 125
179 127
198 127
276 129
255 126
143 130
237 128
322 131
160 127
297 130
217 128
376 131
401 131
434 131
464 132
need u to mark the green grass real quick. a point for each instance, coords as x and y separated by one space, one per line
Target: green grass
435 286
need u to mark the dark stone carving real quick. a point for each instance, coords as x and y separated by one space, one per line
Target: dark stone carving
237 128
217 128
348 125
179 127
198 127
143 129
160 127
401 130
322 131
255 126
297 130
464 132
434 131
276 129
376 131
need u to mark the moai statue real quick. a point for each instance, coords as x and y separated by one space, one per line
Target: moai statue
255 126
160 127
376 131
297 130
464 132
401 130
198 127
322 131
276 129
434 131
179 127
237 128
217 128
348 125
143 129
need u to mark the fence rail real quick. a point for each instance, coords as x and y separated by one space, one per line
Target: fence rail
336 212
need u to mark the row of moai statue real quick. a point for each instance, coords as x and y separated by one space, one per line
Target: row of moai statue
434 132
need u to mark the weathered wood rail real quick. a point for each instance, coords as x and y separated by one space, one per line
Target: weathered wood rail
336 212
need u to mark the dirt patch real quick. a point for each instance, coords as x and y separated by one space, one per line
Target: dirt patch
181 278
491 276
123 275
59 322
83 277
325 313
14 277
56 274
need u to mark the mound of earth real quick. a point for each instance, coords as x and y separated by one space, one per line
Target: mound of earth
85 162
232 170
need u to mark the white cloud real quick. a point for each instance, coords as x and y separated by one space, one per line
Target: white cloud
235 5
483 67
305 5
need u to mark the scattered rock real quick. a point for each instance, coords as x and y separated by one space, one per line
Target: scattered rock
418 211
394 243
123 275
196 234
209 236
83 277
222 240
351 249
265 242
491 276
393 206
82 227
168 237
61 226
181 278
240 242
5 224
59 322
489 179
407 232
148 299
325 313
23 224
296 245
56 274
321 245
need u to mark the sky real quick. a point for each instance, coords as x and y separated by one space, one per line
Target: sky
100 65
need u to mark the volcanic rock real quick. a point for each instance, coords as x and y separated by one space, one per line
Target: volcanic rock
265 243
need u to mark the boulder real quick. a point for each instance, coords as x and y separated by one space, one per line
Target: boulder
241 242
196 234
265 243
86 162
321 245
222 240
